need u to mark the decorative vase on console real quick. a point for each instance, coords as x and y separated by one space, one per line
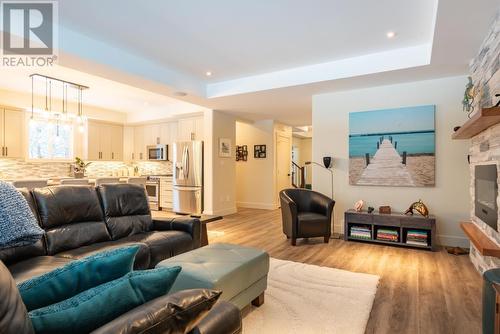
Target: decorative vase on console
79 168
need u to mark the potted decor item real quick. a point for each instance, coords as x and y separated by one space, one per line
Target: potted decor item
79 168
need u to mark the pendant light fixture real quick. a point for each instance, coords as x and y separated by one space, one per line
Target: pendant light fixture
64 114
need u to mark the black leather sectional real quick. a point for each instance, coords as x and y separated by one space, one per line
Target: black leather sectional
82 220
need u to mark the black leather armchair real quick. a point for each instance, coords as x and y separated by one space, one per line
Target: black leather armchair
306 214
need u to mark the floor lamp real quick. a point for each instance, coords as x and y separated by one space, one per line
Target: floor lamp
327 164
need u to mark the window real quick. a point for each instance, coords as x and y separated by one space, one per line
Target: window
50 139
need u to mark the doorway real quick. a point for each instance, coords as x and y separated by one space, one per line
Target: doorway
283 163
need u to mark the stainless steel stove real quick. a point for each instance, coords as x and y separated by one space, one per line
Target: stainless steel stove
153 191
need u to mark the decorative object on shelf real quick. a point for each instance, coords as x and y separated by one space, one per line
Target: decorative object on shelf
259 151
420 207
371 209
224 147
383 143
384 209
469 95
327 161
79 168
358 206
241 153
457 250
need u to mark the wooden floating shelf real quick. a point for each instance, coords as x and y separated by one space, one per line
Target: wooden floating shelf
479 122
483 244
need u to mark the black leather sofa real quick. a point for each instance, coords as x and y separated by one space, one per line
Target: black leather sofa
306 214
82 220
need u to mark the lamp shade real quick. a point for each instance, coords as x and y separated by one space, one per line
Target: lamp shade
327 161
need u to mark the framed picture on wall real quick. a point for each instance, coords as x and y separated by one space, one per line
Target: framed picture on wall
392 147
241 153
225 147
259 151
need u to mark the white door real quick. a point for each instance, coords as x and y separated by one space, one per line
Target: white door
13 133
283 163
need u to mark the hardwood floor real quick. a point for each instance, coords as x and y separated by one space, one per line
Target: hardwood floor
419 291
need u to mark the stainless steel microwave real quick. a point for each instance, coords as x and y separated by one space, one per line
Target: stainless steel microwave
158 152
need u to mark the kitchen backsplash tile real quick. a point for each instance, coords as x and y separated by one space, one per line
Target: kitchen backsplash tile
21 169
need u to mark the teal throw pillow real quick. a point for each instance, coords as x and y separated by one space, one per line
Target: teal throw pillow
77 276
93 308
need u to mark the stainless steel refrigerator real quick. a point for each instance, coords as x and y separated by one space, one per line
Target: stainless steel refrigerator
188 177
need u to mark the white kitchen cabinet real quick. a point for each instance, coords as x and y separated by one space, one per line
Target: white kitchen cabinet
94 141
116 132
105 141
139 143
190 129
166 192
128 143
12 133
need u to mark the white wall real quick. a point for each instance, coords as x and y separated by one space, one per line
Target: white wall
255 177
448 200
219 172
256 181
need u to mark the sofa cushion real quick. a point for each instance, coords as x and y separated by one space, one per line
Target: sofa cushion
163 245
24 270
83 274
13 315
71 217
97 306
126 209
142 258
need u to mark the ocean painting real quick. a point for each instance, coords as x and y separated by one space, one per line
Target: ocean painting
392 147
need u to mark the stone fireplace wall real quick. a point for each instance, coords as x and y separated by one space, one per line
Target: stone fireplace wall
485 147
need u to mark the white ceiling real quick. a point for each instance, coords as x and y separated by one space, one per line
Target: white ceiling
102 93
267 57
241 38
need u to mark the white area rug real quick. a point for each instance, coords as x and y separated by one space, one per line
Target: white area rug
303 298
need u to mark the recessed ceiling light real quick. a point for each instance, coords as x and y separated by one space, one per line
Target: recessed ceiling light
180 94
391 34
208 73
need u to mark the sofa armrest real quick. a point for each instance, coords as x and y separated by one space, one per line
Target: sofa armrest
185 224
223 318
179 312
288 215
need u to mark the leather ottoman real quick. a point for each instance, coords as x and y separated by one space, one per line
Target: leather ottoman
239 272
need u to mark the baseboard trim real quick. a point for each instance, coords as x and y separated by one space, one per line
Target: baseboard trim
257 205
224 212
453 240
